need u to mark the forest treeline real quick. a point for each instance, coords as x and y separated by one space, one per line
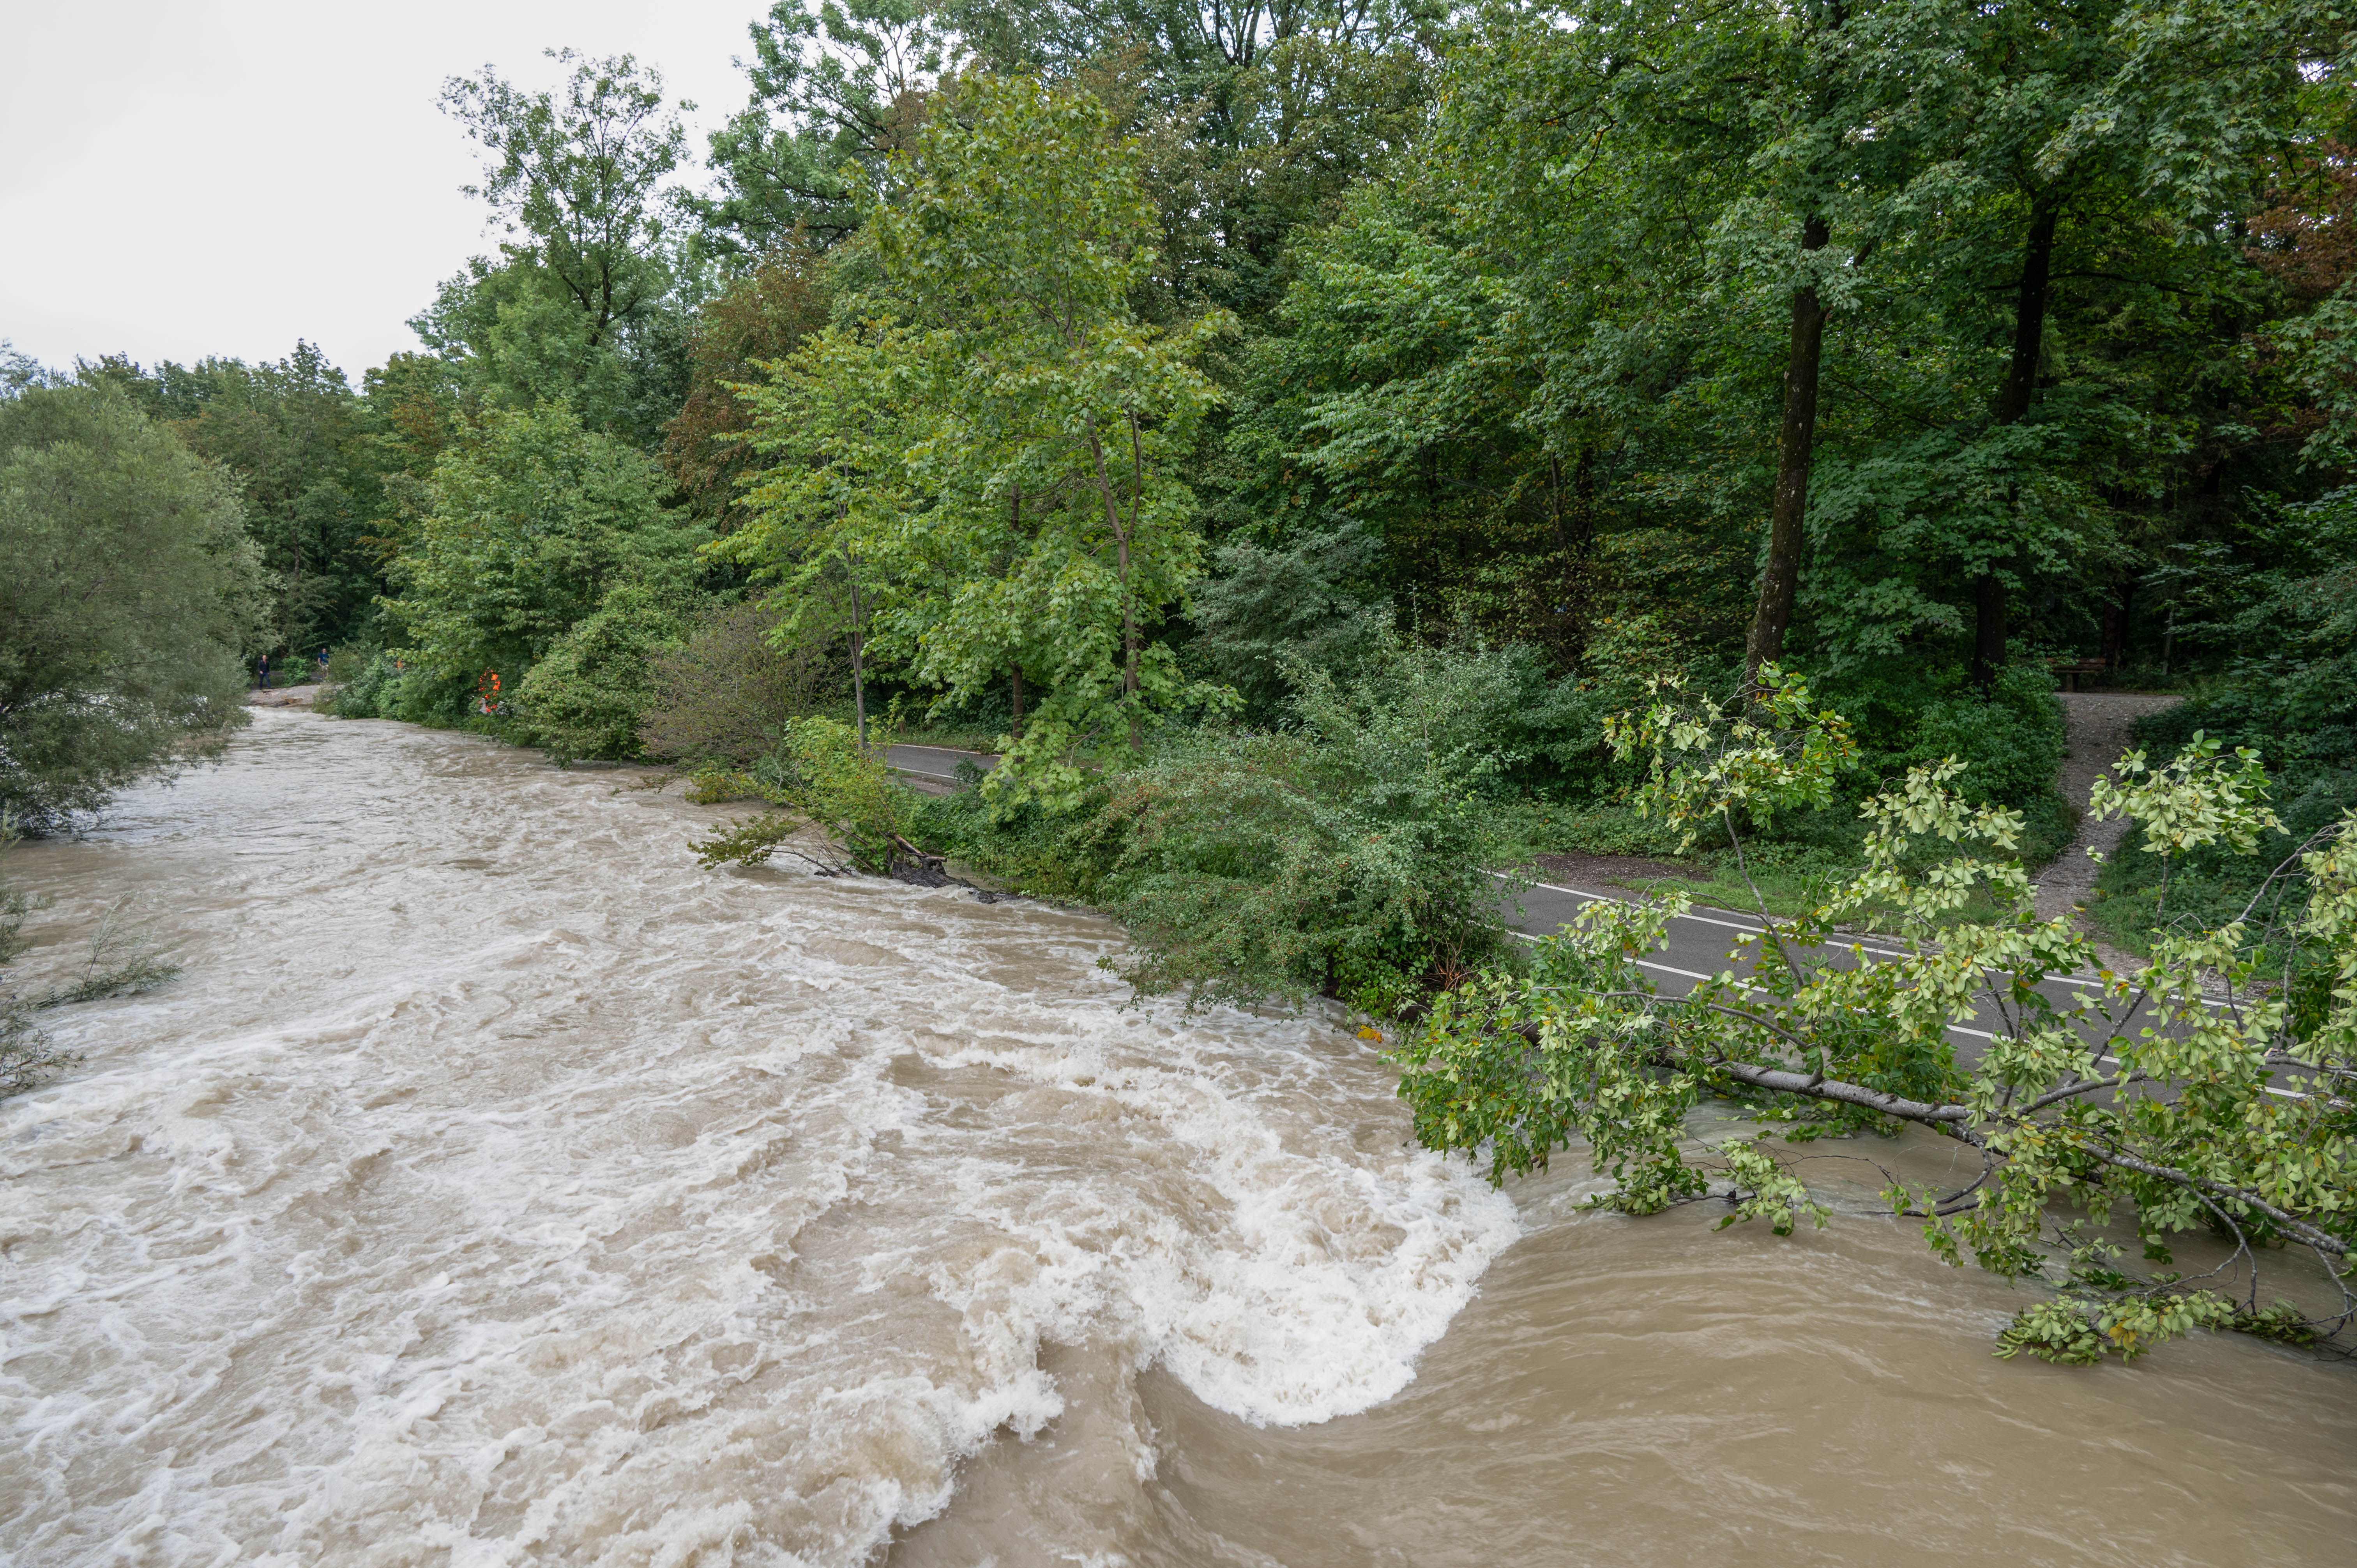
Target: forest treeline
1079 374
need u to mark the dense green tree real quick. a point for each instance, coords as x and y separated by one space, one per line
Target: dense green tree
1007 475
1250 120
129 593
1663 286
588 694
21 372
580 305
534 523
576 176
837 89
1253 120
2073 157
835 525
755 318
291 430
1385 404
1020 224
1686 196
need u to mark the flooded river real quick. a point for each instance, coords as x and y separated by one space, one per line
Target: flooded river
498 1187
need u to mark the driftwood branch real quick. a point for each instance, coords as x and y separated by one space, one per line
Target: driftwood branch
1821 1088
1954 1119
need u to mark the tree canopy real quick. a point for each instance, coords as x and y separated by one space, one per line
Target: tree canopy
128 591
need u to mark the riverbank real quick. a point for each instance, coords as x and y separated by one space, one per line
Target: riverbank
498 1182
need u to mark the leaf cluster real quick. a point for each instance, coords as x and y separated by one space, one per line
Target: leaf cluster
2185 1095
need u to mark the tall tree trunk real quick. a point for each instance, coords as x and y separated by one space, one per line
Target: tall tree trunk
2012 401
2116 624
1575 534
1795 445
1015 671
1128 605
1988 629
858 665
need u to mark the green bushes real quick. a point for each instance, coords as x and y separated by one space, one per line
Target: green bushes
2292 698
127 591
2012 739
546 563
1348 851
587 695
345 663
1344 853
543 579
723 698
843 790
848 792
1280 864
390 687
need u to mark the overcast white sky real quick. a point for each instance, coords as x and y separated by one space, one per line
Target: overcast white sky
183 177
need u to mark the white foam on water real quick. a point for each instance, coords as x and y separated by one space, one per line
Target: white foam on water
499 1187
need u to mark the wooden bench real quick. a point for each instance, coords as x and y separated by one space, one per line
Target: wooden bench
2072 669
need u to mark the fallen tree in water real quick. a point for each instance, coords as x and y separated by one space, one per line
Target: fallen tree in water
832 783
2195 1095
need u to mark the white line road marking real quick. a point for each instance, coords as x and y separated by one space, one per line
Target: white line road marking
1745 926
1951 1028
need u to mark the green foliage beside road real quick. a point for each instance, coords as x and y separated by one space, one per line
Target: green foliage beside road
1345 852
832 782
2207 1114
2289 695
999 494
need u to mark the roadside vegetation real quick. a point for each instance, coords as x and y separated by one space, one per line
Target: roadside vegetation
2289 695
2199 1096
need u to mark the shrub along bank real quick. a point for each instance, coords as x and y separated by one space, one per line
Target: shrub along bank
1348 847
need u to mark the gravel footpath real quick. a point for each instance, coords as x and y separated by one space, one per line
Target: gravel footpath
2099 725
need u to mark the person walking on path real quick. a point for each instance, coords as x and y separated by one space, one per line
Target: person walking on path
265 671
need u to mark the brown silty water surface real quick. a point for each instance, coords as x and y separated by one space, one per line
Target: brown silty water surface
498 1187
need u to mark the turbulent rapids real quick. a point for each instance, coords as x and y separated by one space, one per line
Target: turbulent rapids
497 1186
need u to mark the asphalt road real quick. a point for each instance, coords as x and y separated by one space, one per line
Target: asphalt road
1698 944
933 768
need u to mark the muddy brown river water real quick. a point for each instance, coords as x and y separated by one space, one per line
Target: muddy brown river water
499 1187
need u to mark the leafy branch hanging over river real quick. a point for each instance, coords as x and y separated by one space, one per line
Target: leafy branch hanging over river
2190 1095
